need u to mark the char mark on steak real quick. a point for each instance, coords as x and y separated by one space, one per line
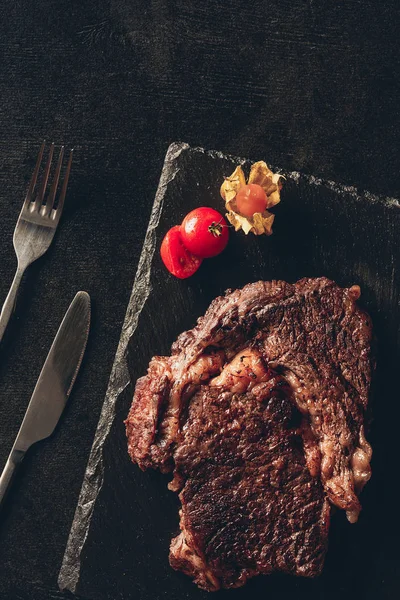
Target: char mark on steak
259 412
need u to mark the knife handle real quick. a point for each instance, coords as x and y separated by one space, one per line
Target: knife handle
7 475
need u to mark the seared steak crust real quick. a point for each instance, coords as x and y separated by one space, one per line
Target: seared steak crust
249 503
259 411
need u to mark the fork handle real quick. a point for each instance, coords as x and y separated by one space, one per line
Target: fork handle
9 303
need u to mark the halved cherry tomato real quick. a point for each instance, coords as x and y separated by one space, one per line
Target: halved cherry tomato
176 257
251 199
204 232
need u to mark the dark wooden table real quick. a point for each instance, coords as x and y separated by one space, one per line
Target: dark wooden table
307 85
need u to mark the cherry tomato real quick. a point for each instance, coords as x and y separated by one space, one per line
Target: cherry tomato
205 232
251 199
176 257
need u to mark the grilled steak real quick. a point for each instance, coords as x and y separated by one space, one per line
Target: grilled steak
259 412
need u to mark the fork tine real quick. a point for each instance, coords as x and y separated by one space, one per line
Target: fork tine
42 190
60 206
46 210
33 180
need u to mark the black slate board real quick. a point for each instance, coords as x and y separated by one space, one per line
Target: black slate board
118 546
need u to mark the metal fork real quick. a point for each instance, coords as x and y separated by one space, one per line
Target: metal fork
36 224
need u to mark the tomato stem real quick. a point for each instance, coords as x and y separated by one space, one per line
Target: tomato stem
215 228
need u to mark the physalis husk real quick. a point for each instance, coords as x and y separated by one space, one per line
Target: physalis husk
260 174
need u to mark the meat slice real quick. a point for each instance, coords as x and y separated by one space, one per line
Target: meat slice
249 502
260 412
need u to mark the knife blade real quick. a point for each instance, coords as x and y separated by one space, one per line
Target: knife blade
53 386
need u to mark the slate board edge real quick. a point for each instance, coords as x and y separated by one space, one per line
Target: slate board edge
119 379
68 578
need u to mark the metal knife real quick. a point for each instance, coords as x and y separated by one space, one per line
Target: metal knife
53 386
